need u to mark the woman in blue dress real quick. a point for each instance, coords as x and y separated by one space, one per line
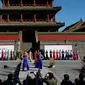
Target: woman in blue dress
38 62
25 61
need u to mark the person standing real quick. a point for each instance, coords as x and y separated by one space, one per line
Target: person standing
30 56
2 55
62 54
46 55
11 55
54 54
38 62
25 61
71 54
50 53
74 55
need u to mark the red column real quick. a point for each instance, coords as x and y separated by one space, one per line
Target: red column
47 4
54 20
3 3
21 4
0 18
8 20
47 18
8 4
21 18
51 4
34 4
34 18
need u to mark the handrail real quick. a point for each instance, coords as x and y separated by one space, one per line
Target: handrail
24 20
27 19
4 20
14 19
25 4
14 4
40 4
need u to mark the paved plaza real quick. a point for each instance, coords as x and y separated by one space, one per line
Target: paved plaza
61 67
66 67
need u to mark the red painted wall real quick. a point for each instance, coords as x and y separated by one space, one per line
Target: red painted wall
61 37
8 37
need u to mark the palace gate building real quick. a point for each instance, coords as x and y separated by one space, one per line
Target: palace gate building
21 20
31 23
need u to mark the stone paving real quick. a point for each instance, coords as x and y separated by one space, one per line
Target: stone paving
32 68
61 67
66 67
4 72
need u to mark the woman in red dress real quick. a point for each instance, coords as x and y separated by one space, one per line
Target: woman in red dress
2 55
57 55
74 55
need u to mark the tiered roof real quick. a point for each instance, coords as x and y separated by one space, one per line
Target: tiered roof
49 11
76 27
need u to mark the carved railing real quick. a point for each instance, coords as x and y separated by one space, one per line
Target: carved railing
27 4
40 4
28 20
30 5
14 4
14 20
19 20
40 19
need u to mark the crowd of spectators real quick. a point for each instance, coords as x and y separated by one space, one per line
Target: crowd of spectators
49 79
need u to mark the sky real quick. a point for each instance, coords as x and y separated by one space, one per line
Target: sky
71 12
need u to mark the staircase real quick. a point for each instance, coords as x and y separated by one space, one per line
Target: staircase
26 46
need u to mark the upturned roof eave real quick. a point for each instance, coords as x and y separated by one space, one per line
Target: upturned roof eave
57 8
49 26
32 24
74 26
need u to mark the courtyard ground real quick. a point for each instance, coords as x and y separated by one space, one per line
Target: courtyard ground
61 67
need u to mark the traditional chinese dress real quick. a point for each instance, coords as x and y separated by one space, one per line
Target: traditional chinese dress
25 61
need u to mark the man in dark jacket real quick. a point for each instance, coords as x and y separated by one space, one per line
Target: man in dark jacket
66 80
81 80
9 81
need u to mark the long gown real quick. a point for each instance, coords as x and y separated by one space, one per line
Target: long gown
2 55
46 55
25 61
50 53
74 56
54 54
38 62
